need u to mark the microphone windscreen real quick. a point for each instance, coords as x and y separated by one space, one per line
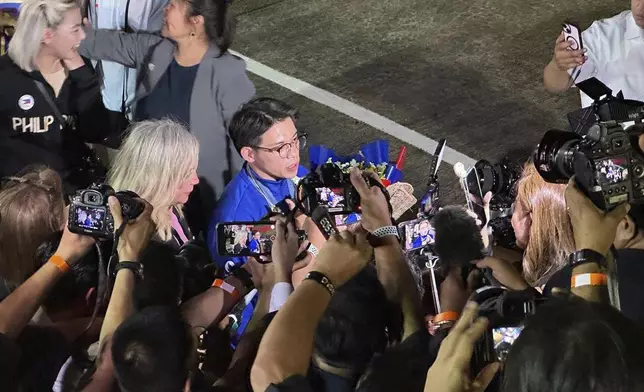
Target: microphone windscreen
458 238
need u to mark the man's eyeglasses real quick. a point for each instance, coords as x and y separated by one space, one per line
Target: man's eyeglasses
285 149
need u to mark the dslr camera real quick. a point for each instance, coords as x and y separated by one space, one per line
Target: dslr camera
329 186
604 157
89 213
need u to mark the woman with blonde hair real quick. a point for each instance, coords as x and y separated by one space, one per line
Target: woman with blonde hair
542 226
50 97
31 210
158 160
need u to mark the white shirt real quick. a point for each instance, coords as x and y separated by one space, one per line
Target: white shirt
143 16
615 49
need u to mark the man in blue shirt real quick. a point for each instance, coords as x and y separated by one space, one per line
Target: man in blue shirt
264 133
255 245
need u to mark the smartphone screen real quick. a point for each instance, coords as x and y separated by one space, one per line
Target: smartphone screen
572 35
474 195
417 233
343 221
503 338
247 238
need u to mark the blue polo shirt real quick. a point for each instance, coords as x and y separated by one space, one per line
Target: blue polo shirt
241 201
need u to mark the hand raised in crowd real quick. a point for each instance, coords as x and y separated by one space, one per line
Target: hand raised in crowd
286 248
305 223
453 292
450 371
73 247
375 208
343 256
592 228
137 233
565 58
504 272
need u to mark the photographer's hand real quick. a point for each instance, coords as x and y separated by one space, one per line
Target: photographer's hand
449 373
285 250
504 272
73 247
592 228
343 256
137 233
375 208
566 59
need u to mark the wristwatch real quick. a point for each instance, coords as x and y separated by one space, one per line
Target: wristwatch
376 238
134 266
585 256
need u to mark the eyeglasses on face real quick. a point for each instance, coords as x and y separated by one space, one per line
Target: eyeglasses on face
284 150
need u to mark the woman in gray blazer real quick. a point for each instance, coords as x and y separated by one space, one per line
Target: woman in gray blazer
187 74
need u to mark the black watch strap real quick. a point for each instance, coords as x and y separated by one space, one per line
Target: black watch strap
585 256
245 278
321 279
134 266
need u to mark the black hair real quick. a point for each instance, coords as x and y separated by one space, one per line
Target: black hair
162 277
151 351
255 118
356 323
571 345
82 277
637 214
218 21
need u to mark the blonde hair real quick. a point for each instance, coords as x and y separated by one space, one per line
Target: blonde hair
31 211
155 158
35 16
551 239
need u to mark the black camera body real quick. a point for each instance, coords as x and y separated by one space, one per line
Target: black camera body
604 157
607 163
331 187
89 213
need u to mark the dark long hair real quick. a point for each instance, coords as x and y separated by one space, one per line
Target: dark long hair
218 21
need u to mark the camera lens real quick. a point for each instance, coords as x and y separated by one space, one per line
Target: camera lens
555 156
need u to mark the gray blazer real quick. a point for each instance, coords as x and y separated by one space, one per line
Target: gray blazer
221 87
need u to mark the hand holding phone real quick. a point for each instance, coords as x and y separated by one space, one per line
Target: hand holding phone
569 48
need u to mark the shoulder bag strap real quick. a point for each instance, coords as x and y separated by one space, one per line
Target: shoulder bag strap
52 104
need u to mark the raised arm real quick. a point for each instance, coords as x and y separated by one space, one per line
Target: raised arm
128 49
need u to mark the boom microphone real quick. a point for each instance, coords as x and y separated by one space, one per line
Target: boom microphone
458 239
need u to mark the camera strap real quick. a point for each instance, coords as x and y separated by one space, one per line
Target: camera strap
323 221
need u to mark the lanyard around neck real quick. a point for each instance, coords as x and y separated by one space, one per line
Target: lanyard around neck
264 191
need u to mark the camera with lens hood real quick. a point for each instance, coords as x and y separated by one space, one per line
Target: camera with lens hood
604 157
89 213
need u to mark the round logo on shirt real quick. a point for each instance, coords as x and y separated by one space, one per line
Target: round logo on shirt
26 102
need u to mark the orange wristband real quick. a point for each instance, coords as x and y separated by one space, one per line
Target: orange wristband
445 316
60 263
227 287
591 279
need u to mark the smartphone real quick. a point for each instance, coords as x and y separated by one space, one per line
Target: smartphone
474 194
247 238
343 221
416 233
572 35
503 338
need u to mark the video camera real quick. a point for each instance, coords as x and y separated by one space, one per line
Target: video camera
89 213
604 157
329 186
